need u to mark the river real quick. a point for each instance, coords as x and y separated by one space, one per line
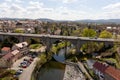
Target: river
53 70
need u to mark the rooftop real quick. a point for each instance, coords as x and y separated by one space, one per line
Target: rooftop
15 52
111 71
22 44
100 66
7 56
115 73
5 49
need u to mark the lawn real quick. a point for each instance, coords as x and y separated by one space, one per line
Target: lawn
35 46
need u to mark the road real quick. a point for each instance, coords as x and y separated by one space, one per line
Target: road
84 70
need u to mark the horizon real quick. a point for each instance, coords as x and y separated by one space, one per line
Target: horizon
57 20
61 9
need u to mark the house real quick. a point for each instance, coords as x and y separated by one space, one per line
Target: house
112 73
5 50
22 47
8 59
106 72
99 69
30 30
16 55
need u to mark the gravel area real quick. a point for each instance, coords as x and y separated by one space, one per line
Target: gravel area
72 73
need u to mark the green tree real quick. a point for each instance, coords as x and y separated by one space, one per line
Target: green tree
105 34
91 47
19 30
88 32
76 33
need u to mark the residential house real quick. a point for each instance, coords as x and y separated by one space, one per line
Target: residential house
8 59
106 72
22 47
16 55
112 73
99 69
5 50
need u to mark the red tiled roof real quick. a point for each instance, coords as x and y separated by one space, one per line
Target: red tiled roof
115 73
7 56
5 48
100 66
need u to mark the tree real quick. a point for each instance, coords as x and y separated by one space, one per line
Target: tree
19 30
76 33
91 47
105 34
88 32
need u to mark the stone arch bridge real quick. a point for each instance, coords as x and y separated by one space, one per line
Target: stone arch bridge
48 40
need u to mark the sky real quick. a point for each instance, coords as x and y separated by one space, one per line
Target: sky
60 9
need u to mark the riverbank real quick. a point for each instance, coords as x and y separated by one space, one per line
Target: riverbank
72 73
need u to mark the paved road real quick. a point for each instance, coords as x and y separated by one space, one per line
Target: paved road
84 70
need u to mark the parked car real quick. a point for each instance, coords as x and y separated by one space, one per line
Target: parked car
18 72
24 64
33 56
31 59
25 59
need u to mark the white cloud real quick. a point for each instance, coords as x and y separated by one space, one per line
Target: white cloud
12 1
36 3
112 10
115 6
69 1
38 10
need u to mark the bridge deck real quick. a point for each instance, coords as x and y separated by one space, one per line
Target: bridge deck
58 37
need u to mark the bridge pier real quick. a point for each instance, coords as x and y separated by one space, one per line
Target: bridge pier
78 46
2 37
47 42
108 44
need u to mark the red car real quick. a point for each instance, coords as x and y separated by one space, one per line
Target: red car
31 59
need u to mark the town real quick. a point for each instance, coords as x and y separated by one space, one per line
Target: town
36 49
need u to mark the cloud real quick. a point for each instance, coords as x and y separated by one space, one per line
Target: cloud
66 1
115 6
39 10
69 1
112 10
16 1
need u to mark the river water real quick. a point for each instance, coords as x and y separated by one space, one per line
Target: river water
53 70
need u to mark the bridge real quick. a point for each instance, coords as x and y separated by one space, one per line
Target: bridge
48 40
